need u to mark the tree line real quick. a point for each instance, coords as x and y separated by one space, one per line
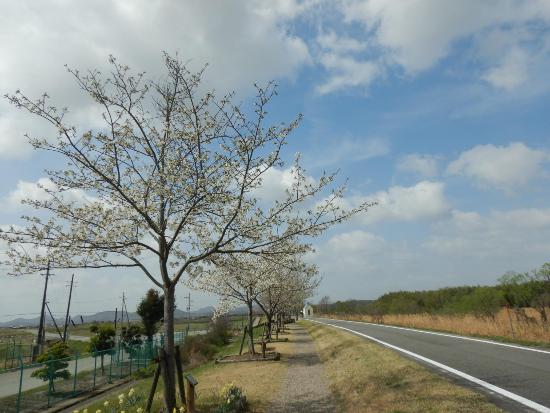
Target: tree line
515 291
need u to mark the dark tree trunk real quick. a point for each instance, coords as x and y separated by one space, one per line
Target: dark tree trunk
269 326
250 329
169 374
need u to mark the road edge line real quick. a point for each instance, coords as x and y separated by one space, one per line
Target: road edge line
522 400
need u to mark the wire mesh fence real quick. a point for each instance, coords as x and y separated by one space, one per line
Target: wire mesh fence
12 351
38 386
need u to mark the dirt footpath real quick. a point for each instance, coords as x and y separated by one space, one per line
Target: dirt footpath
305 387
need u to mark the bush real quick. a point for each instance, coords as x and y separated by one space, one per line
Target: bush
198 349
233 400
56 359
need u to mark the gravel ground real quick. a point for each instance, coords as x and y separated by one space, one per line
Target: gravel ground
305 388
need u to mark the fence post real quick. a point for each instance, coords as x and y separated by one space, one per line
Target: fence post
95 367
120 360
111 367
130 355
50 381
75 373
20 385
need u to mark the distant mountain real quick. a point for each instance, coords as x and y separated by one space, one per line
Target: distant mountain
101 316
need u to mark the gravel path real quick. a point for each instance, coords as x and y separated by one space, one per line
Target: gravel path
305 388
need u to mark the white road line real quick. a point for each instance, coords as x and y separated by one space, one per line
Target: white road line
479 340
522 400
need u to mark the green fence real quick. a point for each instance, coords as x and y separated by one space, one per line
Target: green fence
12 351
61 379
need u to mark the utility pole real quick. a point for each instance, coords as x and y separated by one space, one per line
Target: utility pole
40 337
68 309
54 323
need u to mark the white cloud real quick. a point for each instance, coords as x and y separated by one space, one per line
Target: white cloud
423 165
521 235
347 72
38 191
275 183
242 41
417 35
339 44
512 71
504 167
345 150
423 201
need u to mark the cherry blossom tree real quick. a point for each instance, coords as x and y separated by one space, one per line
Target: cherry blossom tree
291 283
243 278
166 184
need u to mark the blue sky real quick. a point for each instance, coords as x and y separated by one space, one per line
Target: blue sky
436 109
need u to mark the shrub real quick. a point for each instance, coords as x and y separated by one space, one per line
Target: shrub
56 363
233 400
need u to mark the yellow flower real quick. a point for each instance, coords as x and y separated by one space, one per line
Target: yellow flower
106 403
182 409
76 411
131 392
121 396
98 411
139 410
85 411
121 401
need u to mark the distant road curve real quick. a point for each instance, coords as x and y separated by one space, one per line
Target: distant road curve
516 377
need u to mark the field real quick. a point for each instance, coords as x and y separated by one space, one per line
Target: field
525 327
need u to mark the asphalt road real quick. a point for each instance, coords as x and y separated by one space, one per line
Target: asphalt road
517 378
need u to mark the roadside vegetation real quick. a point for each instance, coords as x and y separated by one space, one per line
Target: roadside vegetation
517 309
215 380
366 377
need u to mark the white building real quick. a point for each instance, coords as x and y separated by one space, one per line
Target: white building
308 311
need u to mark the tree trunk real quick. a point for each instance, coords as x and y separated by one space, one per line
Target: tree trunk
169 374
269 326
250 329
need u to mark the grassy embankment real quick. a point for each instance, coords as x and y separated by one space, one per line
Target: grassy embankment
259 381
504 326
366 377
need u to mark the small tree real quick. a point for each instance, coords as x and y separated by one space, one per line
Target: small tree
324 303
56 363
151 311
102 341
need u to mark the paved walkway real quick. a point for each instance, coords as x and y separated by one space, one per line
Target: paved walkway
305 388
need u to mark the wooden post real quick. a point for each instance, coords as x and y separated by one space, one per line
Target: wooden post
190 383
155 382
242 341
263 349
179 371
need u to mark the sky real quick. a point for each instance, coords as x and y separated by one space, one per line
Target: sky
436 109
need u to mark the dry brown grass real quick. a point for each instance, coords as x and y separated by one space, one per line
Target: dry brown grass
524 326
368 378
260 381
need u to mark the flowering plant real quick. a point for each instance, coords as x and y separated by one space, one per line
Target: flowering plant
233 400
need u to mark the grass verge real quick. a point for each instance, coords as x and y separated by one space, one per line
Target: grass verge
505 326
260 382
368 378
